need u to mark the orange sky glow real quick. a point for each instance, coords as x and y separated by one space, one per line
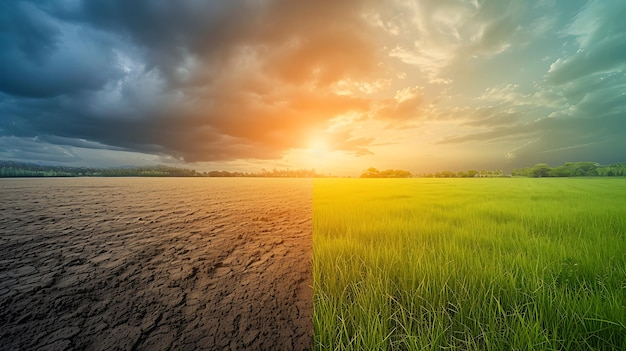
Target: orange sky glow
339 86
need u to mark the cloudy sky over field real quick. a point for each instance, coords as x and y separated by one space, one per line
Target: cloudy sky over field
334 85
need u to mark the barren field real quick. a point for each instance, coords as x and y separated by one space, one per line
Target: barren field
155 264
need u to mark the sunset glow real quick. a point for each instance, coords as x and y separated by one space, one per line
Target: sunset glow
313 175
239 85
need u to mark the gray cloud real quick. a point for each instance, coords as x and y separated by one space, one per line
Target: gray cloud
33 149
45 57
201 81
218 81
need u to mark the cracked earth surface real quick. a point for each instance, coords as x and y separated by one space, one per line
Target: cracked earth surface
155 264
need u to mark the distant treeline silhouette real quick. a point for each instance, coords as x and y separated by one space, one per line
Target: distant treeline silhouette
22 169
465 174
568 169
572 169
389 173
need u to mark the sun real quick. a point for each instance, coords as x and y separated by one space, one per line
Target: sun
318 146
317 152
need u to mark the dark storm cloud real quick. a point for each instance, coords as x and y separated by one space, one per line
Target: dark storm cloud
33 149
43 57
198 80
225 80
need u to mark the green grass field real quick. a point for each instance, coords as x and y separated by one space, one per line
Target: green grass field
464 264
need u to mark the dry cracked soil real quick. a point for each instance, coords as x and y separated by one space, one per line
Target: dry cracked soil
155 264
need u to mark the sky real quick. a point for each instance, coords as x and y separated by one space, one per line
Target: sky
338 86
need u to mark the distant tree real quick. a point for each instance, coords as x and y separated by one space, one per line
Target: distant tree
400 173
447 174
561 171
371 173
388 173
541 170
522 172
585 168
472 173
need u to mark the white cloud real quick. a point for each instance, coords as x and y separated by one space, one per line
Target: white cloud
409 93
511 154
439 34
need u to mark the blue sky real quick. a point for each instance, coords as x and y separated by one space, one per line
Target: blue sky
336 86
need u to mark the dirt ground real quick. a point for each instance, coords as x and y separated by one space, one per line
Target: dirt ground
155 264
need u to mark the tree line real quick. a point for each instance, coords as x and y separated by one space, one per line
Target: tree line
572 169
388 173
399 173
21 169
568 169
472 173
